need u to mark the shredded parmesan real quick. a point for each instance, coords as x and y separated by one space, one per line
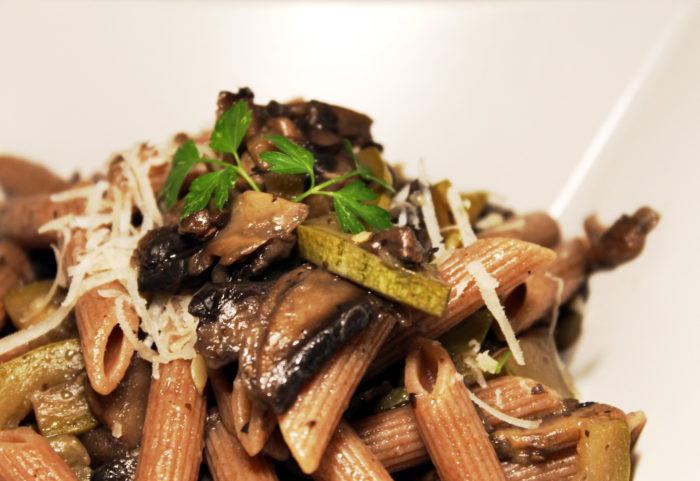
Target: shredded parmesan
486 363
110 240
487 287
466 232
521 423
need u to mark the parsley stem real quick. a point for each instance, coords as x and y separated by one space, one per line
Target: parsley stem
319 188
239 170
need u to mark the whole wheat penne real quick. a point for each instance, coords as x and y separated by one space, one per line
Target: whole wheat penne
222 388
275 447
309 423
22 177
348 458
557 468
394 438
543 291
21 217
228 461
509 261
106 349
448 422
171 446
253 422
25 455
636 420
393 435
536 227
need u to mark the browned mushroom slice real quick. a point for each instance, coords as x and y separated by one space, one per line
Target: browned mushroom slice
256 218
225 312
307 316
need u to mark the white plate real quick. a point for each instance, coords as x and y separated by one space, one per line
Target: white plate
569 106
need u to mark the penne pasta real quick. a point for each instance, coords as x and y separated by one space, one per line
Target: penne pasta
106 349
347 456
448 422
394 437
509 261
21 217
554 469
171 446
226 458
25 455
309 423
548 289
253 422
536 227
22 177
221 387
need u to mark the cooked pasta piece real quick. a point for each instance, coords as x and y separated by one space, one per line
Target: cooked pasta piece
254 422
106 349
636 420
394 438
448 422
536 227
171 447
222 388
509 261
393 435
25 455
548 289
347 457
557 468
308 425
228 461
22 177
21 217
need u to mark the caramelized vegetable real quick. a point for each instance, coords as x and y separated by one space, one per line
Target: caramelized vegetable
27 305
73 453
63 409
45 366
328 247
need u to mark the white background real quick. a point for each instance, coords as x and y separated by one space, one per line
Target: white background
569 106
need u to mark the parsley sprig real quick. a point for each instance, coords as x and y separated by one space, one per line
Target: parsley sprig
349 202
227 137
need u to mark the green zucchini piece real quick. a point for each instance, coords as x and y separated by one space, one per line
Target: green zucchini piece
603 449
395 398
334 250
73 453
43 367
26 305
63 409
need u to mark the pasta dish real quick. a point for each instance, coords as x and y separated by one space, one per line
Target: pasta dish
270 299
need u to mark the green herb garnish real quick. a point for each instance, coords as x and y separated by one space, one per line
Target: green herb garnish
502 361
226 137
349 202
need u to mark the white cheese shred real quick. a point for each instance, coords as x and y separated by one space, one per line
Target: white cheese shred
110 240
487 287
461 217
521 423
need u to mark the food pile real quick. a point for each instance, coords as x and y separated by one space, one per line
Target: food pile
272 300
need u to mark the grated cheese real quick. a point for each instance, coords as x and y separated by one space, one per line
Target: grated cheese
110 240
521 423
487 287
486 363
461 217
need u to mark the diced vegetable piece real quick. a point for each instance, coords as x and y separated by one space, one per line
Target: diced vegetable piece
27 305
603 449
63 409
73 453
542 362
372 158
395 398
462 341
43 367
474 203
328 247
